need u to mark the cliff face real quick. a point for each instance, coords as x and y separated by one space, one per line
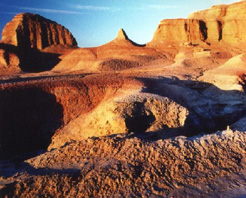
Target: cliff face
225 22
219 24
180 30
34 31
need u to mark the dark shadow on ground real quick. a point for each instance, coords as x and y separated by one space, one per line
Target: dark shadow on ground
28 119
47 78
31 60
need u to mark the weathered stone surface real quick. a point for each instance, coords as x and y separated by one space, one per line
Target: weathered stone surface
229 76
45 108
180 30
34 31
126 166
219 24
3 59
226 21
139 114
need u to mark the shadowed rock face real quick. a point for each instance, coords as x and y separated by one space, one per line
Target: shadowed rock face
15 59
34 31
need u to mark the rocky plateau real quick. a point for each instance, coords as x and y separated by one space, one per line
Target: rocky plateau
164 119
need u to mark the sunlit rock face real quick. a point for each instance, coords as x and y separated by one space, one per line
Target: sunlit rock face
35 31
32 43
219 24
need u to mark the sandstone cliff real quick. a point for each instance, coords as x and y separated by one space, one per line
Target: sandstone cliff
223 24
35 31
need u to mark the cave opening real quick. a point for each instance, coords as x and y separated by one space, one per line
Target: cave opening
139 119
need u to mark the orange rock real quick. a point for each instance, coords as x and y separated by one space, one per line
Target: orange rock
224 24
120 53
34 31
180 30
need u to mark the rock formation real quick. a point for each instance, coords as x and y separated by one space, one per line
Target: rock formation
34 31
122 119
8 58
220 24
122 35
180 30
32 43
119 54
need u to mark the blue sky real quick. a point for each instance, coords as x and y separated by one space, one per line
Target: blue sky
96 22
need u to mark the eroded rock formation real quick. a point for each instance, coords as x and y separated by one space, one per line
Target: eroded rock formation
180 30
119 54
128 120
219 24
34 31
32 43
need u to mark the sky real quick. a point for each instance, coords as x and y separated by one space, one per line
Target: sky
96 22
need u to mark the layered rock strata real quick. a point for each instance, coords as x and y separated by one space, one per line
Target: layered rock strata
219 24
34 31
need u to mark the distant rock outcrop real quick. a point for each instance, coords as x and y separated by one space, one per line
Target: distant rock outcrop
119 54
180 30
219 24
122 35
34 31
32 43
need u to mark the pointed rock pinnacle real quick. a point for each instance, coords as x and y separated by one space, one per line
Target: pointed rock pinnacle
122 35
